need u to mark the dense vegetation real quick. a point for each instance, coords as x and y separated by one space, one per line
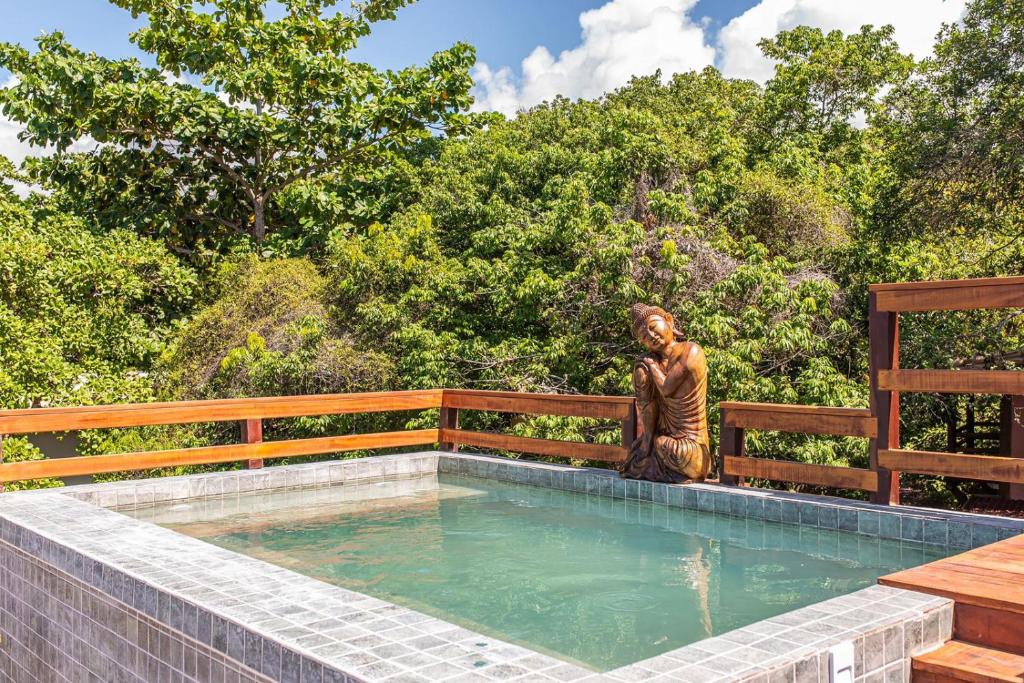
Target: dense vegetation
299 222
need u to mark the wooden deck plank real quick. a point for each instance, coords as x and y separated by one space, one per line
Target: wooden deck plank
993 628
263 450
949 295
607 407
31 420
522 444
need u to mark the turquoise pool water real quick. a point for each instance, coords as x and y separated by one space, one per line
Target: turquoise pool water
593 580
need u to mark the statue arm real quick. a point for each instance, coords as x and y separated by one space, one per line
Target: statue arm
668 383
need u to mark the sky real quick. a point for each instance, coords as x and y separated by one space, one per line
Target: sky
529 51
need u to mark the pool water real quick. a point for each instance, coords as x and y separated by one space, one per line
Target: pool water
592 580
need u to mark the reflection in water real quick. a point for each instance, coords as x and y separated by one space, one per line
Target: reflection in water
597 581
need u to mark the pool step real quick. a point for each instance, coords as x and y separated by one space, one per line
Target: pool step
995 628
960 661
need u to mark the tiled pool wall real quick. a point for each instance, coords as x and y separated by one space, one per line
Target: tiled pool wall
149 594
59 628
932 527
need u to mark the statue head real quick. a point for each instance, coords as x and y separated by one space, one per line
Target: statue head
654 327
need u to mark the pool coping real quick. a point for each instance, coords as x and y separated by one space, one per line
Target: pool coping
260 614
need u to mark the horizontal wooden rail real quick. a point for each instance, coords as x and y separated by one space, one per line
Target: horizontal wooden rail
607 407
949 295
32 420
250 413
523 444
1003 382
801 419
738 416
96 464
960 465
804 473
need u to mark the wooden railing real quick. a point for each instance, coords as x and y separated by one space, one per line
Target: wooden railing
880 424
736 417
250 413
885 303
616 408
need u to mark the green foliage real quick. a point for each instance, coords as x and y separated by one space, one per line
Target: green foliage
516 268
955 138
266 332
823 80
279 108
82 313
503 257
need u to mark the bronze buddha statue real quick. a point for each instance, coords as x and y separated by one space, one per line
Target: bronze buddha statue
671 382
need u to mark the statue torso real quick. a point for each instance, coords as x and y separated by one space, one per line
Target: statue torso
683 412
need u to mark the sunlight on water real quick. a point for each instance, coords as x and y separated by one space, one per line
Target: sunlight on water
596 581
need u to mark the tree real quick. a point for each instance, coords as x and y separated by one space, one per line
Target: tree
278 104
82 312
824 80
956 135
517 267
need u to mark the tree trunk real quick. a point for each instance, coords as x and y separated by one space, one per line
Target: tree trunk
259 227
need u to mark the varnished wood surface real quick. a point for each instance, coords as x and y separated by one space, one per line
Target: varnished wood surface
802 473
950 295
800 419
995 628
608 407
265 450
33 420
960 465
990 577
1004 382
959 661
522 444
250 413
918 285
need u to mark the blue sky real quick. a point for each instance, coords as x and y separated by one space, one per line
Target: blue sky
530 51
503 31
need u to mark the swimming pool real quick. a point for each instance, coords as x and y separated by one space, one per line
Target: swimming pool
89 582
602 583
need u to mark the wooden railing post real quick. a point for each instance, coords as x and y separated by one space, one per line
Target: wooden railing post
449 420
884 343
1012 438
252 432
731 442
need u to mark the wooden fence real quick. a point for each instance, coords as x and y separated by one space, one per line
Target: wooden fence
736 417
879 424
250 413
885 303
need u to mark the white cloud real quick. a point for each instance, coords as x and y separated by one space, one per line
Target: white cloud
915 22
620 39
623 38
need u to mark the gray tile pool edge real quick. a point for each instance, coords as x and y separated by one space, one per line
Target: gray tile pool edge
887 627
953 530
283 624
88 532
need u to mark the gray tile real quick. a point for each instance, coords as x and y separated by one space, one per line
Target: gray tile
935 532
911 528
848 519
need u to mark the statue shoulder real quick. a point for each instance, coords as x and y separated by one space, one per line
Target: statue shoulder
695 357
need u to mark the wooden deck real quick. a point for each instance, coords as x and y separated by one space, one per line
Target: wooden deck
987 585
991 576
